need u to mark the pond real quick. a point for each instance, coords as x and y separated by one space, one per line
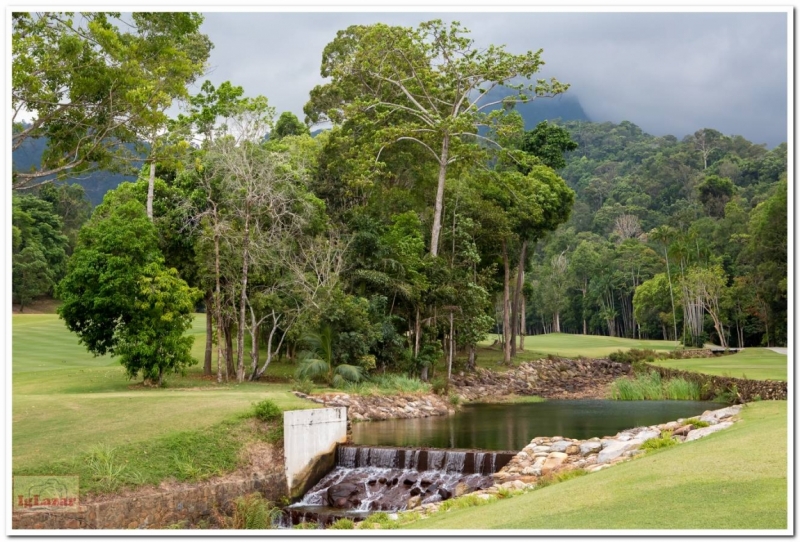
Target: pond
512 426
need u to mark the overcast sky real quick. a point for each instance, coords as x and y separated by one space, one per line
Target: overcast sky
669 73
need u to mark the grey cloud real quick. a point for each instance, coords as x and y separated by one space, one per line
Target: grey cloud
670 73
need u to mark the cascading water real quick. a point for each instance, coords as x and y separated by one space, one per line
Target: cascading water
367 479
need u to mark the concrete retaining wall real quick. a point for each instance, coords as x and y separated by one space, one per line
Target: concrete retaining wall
309 444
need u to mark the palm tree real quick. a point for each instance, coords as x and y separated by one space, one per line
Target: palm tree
317 360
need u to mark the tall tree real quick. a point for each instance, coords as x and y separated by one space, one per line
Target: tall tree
430 86
90 83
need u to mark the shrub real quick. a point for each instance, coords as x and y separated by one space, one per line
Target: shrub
267 411
680 389
253 512
305 525
664 441
650 387
455 399
439 386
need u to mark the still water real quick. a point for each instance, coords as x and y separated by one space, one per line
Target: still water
513 426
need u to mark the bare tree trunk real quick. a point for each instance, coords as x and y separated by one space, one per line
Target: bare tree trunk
209 335
471 358
151 188
671 296
417 332
229 368
437 209
452 348
522 325
506 303
243 299
515 308
253 343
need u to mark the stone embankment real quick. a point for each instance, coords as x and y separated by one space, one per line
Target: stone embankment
549 378
742 390
384 407
547 456
558 378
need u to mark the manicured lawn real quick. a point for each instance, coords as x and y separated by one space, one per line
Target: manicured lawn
734 479
755 363
65 401
566 345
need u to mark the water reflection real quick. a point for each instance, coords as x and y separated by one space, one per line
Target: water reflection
512 426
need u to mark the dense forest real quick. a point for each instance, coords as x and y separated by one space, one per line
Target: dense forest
422 221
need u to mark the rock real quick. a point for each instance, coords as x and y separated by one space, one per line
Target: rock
615 450
704 431
409 481
574 449
415 491
518 484
460 489
647 435
561 446
444 493
381 480
553 461
587 448
338 492
413 502
539 461
682 430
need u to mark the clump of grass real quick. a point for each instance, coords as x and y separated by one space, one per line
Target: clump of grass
306 525
267 411
439 386
343 523
455 399
680 389
381 520
107 471
664 441
650 387
698 423
303 385
254 512
557 478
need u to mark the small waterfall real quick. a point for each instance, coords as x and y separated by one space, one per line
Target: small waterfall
411 459
454 462
436 459
346 456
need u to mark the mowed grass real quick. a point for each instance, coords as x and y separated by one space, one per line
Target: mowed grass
566 345
733 479
753 363
65 402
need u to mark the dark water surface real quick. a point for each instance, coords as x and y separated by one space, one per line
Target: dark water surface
513 426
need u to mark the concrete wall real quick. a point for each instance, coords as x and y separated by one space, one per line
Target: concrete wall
310 436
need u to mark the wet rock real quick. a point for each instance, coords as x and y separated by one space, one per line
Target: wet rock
461 489
415 491
339 494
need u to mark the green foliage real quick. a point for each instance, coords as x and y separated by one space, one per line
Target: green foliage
303 385
548 142
454 399
650 387
306 525
664 441
253 511
318 361
556 478
698 423
288 125
97 81
267 411
439 386
342 523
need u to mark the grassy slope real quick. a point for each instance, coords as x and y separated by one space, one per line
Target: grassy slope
65 401
566 345
756 363
735 479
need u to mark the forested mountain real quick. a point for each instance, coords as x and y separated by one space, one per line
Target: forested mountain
712 206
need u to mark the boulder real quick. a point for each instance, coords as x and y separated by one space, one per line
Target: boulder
587 448
553 461
704 431
560 446
339 494
460 489
615 450
647 435
413 502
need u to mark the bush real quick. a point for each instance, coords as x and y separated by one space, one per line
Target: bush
439 386
254 512
455 399
267 411
305 525
664 441
697 422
